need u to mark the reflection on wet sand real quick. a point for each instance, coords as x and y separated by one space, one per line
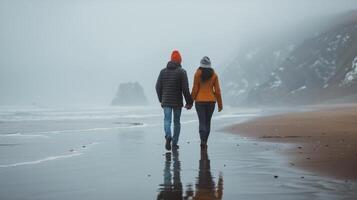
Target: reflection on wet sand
206 188
169 189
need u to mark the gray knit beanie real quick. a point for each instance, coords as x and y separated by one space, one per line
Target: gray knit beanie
205 62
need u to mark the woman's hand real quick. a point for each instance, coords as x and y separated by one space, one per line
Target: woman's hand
220 109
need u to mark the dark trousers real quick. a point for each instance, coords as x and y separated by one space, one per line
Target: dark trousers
204 112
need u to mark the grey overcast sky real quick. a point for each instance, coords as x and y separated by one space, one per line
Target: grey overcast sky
78 51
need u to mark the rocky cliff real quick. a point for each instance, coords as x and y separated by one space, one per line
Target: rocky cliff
321 67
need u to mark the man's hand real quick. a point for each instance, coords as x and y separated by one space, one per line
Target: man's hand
188 107
220 109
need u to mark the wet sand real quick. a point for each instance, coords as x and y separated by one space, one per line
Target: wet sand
324 141
122 156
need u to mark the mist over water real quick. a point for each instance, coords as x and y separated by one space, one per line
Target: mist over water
61 64
77 52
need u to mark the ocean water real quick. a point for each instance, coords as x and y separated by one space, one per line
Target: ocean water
118 153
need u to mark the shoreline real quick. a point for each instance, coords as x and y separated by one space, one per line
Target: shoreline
324 140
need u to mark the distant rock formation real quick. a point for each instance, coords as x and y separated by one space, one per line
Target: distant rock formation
129 94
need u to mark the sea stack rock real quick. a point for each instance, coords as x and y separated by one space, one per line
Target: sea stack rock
129 94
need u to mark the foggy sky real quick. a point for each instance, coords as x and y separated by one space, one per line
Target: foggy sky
77 52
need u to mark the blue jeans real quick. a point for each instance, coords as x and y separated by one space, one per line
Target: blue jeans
177 124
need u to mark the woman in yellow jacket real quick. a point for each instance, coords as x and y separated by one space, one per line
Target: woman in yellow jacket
206 92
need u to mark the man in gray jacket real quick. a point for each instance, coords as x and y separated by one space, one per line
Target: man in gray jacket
171 85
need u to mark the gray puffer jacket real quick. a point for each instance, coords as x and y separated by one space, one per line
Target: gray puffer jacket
171 84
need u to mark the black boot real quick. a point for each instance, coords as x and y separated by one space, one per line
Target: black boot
168 143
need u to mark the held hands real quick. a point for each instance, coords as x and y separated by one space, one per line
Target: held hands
188 107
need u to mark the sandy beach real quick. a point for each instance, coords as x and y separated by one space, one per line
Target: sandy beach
324 141
118 153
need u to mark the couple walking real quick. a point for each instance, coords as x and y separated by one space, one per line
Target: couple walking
172 84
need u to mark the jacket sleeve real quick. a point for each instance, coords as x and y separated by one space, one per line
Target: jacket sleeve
158 87
186 89
196 86
217 92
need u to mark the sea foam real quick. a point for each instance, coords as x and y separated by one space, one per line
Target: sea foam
51 158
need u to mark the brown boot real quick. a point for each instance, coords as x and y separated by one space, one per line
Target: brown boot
203 144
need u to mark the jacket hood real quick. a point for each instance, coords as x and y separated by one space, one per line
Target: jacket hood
173 65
